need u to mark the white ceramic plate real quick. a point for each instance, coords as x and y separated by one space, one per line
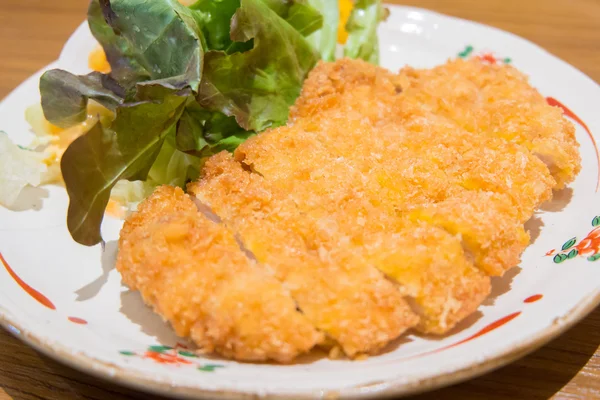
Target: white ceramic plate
67 300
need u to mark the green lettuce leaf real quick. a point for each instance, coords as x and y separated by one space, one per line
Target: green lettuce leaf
325 39
149 56
162 36
185 83
171 167
119 54
97 160
298 13
257 87
65 96
362 30
204 133
162 42
214 19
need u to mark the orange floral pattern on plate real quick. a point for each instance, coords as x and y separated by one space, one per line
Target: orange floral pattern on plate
588 247
178 356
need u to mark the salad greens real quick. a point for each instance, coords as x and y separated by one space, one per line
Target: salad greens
362 30
186 83
213 18
97 160
256 87
66 96
325 39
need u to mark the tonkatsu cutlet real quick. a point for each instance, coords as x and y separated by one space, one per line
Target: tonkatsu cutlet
365 115
497 100
350 301
192 272
387 202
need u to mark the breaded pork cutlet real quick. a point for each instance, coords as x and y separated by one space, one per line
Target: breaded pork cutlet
471 162
496 100
192 272
444 284
396 180
350 301
363 111
418 158
384 194
348 85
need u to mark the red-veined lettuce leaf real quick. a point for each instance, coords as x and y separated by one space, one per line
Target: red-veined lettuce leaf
258 86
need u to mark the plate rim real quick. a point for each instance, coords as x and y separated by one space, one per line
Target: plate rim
141 381
393 387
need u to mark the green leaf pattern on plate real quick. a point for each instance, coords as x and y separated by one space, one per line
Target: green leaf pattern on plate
588 247
159 349
179 355
570 243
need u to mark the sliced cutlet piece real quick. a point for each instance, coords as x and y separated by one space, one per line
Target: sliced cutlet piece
423 158
347 85
433 163
415 155
488 225
497 100
352 302
193 273
472 162
428 263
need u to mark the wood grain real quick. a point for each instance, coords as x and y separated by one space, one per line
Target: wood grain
32 33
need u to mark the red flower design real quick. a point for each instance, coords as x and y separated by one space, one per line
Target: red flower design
165 358
590 245
587 247
488 57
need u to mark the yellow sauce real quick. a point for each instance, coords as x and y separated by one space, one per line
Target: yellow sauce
97 60
345 10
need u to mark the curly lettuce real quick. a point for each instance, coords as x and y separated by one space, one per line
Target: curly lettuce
185 82
362 30
324 40
258 86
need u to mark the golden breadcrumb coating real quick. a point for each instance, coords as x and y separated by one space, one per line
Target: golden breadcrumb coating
386 203
473 162
433 270
393 124
192 272
349 215
486 222
305 165
350 301
348 84
496 100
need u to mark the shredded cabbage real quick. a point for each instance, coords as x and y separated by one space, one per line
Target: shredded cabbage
171 167
19 167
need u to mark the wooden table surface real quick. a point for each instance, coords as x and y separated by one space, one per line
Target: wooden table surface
32 33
